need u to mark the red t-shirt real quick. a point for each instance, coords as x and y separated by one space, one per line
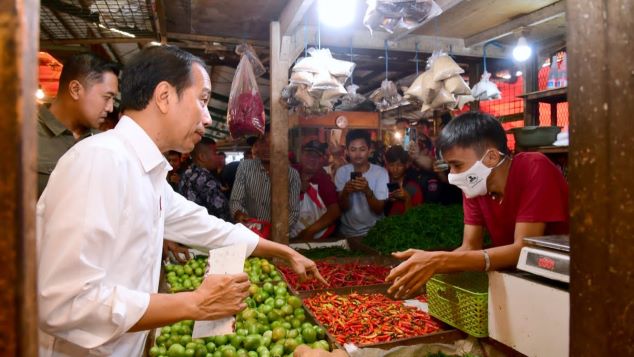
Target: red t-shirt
326 188
415 194
536 191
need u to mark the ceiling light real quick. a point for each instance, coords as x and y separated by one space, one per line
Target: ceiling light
522 51
336 13
518 74
397 135
39 94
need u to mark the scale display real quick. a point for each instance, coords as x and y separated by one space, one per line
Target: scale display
549 264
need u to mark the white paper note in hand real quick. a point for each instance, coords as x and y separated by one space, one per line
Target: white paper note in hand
226 260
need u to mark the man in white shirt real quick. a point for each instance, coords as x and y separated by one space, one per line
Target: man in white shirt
361 198
107 207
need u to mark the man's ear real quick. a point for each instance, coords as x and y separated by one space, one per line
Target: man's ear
492 157
74 89
162 96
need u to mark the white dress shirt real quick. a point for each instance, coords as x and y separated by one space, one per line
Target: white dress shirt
100 226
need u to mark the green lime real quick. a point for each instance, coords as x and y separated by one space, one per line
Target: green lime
176 350
308 334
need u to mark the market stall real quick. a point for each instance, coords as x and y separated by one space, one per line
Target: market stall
386 58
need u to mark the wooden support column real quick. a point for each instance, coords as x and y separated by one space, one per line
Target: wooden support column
530 70
19 33
601 99
279 136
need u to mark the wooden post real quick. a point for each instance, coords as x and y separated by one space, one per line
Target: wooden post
279 136
531 108
601 98
19 35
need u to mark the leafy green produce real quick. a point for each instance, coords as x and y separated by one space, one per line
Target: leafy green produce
429 227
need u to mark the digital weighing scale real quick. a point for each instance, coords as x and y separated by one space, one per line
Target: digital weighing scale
547 256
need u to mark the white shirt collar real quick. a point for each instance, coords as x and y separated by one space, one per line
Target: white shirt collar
146 150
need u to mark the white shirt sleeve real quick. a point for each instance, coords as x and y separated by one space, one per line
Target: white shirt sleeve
77 237
190 224
341 178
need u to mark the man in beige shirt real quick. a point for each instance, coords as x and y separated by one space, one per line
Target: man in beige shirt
87 88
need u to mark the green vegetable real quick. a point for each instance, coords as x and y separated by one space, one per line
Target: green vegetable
428 227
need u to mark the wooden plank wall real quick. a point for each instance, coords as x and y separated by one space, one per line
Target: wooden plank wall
19 34
601 98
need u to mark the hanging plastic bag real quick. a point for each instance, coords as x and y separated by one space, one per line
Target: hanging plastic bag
485 89
302 77
463 100
399 16
245 112
443 99
248 51
307 64
444 67
457 86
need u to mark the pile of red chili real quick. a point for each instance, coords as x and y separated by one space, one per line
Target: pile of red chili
339 275
365 319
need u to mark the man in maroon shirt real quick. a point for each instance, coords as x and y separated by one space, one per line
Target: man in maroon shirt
319 208
509 197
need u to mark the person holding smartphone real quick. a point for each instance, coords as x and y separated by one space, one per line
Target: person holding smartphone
362 187
404 192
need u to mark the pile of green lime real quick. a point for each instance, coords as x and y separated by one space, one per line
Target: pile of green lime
273 324
186 277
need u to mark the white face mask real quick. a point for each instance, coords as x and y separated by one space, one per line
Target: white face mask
473 182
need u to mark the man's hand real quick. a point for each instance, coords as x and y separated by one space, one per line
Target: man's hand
176 249
305 351
221 296
305 235
305 182
409 277
305 267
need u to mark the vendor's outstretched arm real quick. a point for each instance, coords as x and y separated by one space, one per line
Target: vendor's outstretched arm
409 277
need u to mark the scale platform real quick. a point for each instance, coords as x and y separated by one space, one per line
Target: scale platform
547 256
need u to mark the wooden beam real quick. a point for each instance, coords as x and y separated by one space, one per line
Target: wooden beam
97 41
601 101
445 5
293 14
360 39
530 72
162 21
534 18
206 38
19 24
279 139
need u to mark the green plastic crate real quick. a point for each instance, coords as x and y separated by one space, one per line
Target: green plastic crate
461 300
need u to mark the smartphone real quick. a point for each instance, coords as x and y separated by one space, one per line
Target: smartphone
393 186
354 175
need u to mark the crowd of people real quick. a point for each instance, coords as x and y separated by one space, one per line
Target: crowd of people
342 191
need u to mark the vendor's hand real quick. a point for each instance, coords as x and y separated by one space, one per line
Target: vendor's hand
305 267
176 250
409 277
305 351
221 296
399 194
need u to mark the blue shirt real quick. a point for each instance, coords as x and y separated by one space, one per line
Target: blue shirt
358 220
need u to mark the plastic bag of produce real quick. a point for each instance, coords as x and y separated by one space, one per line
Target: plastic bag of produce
324 80
456 85
485 89
463 100
245 112
303 96
387 96
430 87
248 51
302 77
416 89
339 68
398 16
307 64
444 67
426 109
443 99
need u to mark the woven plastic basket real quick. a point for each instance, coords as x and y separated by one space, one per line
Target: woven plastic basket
461 300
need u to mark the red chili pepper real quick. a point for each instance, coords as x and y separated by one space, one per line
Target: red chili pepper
369 318
339 275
